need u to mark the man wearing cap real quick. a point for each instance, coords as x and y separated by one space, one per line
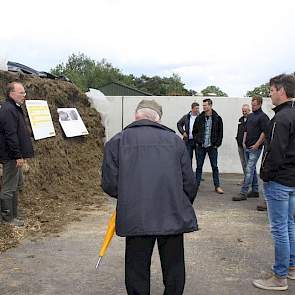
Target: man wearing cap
146 167
15 147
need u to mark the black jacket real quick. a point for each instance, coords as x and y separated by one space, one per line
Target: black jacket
183 124
15 142
240 131
216 131
278 163
148 169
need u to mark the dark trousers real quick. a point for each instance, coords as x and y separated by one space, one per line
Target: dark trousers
213 155
138 256
191 147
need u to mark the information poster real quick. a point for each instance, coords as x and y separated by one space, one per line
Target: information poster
71 122
40 119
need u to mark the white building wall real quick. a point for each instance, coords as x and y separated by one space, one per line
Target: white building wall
174 107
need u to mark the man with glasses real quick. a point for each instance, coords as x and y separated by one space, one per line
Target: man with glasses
278 173
15 147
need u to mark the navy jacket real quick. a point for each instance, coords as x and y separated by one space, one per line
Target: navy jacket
15 142
148 169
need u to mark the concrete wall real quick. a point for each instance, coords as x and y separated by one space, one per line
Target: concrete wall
174 107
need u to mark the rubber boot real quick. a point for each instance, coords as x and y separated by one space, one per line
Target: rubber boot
14 205
7 209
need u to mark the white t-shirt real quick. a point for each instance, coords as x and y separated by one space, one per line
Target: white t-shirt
191 125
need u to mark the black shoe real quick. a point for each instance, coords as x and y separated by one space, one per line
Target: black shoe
253 195
240 197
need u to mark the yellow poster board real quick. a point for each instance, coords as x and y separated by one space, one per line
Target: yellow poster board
40 119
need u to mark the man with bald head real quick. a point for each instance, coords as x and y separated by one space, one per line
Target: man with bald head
240 134
15 147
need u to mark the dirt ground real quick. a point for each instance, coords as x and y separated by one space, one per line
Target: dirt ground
63 176
232 248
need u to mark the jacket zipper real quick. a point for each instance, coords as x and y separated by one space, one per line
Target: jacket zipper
271 138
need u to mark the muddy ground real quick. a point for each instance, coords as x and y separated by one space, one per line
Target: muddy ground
63 177
232 248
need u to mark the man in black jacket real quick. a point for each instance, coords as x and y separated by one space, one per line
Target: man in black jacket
208 134
240 135
278 174
147 168
185 127
15 147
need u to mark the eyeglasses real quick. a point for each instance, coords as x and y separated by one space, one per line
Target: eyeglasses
21 93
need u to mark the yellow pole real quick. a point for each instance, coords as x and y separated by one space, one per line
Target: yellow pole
108 237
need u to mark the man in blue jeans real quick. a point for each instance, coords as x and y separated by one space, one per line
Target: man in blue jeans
278 173
208 135
254 136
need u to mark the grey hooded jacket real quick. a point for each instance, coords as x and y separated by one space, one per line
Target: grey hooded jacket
148 169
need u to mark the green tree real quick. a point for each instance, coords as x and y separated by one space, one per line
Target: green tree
213 91
262 90
87 73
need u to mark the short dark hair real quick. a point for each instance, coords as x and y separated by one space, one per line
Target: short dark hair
258 98
195 104
10 87
209 100
285 81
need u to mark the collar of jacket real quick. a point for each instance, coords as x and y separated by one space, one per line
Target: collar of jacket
146 122
10 100
214 114
288 103
257 111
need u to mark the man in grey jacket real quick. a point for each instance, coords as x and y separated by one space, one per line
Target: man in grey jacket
147 168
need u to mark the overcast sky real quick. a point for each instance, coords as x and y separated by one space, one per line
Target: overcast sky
233 44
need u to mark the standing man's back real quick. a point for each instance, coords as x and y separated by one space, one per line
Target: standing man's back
147 168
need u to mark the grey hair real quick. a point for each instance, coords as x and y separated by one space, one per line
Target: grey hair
245 105
148 114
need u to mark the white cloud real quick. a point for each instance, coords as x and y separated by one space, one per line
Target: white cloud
235 45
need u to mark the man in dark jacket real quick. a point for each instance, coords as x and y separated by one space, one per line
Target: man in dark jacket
278 174
185 127
240 135
147 168
15 147
208 134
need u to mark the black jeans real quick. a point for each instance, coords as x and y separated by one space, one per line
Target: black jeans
213 156
138 256
191 147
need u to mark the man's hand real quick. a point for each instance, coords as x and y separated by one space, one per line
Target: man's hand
19 163
184 135
254 147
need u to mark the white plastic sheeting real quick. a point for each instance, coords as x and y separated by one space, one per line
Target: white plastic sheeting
99 102
3 63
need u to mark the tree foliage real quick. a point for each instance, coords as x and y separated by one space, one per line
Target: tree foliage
87 73
213 91
262 90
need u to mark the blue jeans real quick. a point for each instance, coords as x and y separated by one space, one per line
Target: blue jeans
250 178
191 147
281 209
213 155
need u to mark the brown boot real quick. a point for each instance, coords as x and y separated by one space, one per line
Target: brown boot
273 283
291 274
219 190
262 206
